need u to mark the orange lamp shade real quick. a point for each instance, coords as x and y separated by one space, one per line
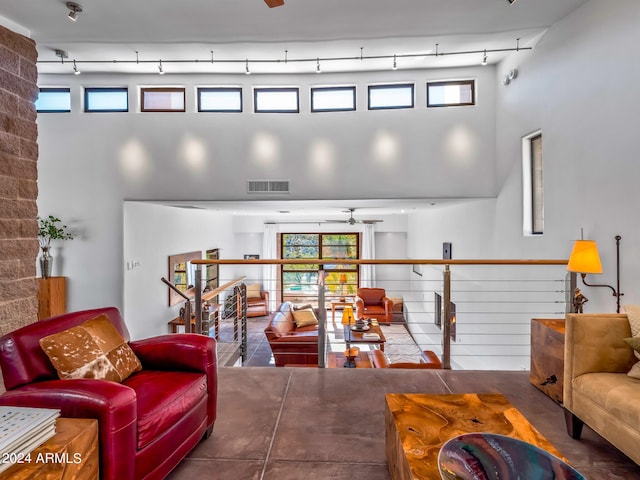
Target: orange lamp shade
585 257
347 316
342 278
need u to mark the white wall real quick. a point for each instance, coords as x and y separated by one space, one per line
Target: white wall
151 234
579 87
90 163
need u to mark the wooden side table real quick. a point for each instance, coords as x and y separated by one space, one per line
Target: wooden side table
547 357
71 454
52 297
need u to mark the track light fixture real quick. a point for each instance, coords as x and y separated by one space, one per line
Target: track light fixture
74 10
394 58
75 69
160 69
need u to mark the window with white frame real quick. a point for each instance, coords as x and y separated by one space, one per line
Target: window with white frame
532 182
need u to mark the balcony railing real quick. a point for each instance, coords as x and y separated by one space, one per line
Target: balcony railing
474 314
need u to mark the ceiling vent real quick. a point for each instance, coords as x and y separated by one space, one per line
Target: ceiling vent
268 186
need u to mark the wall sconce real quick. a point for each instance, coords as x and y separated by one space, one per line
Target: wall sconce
585 259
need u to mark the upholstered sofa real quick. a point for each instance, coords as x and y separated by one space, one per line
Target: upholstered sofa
374 303
597 390
147 422
290 344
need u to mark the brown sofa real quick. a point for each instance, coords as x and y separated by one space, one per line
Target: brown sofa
291 345
597 390
373 303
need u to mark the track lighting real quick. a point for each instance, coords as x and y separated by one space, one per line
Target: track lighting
75 69
287 60
74 10
160 69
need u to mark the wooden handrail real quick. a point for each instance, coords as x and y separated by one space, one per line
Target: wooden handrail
377 261
217 291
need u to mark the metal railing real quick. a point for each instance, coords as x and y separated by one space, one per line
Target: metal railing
474 314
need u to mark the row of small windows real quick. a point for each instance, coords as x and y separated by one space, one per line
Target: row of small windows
265 100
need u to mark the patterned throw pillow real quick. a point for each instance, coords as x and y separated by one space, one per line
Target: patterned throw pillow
634 342
94 349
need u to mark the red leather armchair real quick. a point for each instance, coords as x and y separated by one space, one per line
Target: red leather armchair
373 303
147 423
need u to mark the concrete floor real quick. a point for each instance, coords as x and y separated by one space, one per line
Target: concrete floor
304 423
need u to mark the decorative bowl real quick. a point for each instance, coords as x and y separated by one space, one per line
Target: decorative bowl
489 456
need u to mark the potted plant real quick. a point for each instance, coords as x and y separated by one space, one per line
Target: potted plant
50 228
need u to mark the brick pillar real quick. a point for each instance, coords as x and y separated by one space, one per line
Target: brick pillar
18 181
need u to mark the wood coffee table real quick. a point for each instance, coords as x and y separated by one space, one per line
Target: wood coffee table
417 425
351 336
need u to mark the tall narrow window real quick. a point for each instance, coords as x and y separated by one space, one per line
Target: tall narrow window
532 182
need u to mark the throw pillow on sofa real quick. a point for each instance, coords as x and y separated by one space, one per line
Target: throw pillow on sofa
634 342
304 318
93 349
253 291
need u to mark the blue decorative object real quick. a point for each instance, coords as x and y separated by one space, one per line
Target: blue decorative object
488 456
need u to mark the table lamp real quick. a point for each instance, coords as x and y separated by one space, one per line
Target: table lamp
347 316
342 279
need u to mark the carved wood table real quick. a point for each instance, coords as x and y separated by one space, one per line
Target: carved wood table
72 453
417 425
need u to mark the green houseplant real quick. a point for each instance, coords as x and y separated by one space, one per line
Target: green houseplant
50 228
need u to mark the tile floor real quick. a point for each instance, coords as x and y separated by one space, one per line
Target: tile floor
305 423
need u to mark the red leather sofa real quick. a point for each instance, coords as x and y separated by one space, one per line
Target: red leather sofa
147 423
291 345
373 303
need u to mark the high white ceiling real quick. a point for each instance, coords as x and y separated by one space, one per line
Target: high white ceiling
307 29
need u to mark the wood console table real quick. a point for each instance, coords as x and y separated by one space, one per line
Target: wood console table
52 297
547 357
72 454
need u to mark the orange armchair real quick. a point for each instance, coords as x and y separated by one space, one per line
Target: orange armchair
373 303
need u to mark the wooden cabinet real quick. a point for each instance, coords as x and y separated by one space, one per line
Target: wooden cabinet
72 453
52 297
547 357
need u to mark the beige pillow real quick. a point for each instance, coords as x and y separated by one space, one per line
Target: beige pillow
634 342
304 318
94 349
253 291
633 313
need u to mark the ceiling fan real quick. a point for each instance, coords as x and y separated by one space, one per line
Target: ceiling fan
351 220
274 3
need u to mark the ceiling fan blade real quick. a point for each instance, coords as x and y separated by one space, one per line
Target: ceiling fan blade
274 3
